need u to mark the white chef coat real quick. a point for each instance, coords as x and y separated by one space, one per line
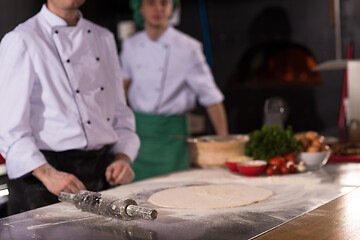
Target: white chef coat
60 89
167 75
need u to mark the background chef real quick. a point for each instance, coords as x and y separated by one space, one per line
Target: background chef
67 126
165 73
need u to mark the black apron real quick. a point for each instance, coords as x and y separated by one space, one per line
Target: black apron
27 192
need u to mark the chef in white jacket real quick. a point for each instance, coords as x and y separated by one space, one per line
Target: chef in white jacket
165 74
64 123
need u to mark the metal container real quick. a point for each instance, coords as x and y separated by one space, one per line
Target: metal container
213 151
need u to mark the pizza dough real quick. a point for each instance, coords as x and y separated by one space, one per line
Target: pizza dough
209 196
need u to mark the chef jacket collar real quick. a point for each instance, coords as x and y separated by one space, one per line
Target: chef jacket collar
165 38
54 20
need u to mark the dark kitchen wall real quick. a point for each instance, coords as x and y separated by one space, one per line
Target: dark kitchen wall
105 13
13 12
229 23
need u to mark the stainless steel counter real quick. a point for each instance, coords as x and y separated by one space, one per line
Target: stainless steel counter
295 195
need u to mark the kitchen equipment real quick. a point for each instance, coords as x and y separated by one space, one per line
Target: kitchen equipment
354 130
213 151
352 108
93 202
275 111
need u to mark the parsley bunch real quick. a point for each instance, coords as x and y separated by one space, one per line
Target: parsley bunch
271 141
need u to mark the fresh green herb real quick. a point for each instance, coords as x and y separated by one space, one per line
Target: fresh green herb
271 141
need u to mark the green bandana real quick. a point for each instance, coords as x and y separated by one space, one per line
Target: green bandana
135 6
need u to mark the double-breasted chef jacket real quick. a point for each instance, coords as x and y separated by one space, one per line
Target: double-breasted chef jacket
168 75
60 89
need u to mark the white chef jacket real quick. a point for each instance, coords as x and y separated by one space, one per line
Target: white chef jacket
60 89
167 75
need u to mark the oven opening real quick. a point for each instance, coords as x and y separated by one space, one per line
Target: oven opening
273 68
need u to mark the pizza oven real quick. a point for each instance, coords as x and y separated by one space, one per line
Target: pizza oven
273 67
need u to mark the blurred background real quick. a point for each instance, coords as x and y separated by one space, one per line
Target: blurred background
257 49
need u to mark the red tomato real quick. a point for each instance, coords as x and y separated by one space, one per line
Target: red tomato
277 161
270 170
284 169
290 157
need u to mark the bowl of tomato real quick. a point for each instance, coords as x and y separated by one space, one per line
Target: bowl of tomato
252 168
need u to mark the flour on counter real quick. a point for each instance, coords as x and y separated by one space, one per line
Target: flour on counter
294 195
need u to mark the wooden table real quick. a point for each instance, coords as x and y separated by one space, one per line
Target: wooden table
338 219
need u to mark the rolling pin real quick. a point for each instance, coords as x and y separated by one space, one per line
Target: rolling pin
125 209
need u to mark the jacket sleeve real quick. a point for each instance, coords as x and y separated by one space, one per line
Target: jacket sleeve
124 120
124 125
201 80
125 58
17 77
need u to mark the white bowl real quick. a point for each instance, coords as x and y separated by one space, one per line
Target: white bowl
314 160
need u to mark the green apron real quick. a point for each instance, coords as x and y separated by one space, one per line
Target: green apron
163 147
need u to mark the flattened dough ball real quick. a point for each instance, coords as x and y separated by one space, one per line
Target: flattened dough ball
209 196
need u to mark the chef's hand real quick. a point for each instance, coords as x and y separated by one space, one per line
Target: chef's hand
56 181
119 171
